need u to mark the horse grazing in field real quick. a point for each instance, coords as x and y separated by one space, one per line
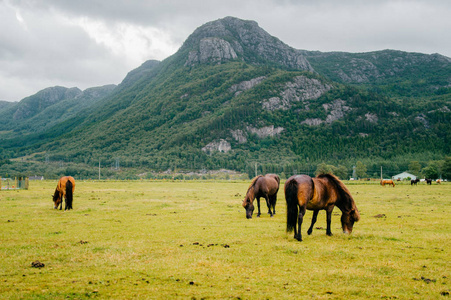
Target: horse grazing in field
428 181
387 181
65 188
439 181
414 181
262 186
322 192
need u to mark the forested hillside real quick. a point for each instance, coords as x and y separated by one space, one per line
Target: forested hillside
235 97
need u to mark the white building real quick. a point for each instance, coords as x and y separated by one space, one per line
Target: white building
404 176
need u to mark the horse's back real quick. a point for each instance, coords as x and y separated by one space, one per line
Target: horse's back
272 182
63 181
302 185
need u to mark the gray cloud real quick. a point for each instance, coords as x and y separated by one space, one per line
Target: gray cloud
89 43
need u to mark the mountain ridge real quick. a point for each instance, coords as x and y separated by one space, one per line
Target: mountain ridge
222 101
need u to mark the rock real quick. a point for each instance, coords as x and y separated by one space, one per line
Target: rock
266 131
246 85
300 89
37 264
221 146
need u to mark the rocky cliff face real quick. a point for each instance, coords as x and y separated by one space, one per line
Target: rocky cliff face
231 38
300 89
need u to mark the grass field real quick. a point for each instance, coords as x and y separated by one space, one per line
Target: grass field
191 240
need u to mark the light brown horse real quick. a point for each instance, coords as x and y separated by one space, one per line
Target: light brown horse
262 186
322 192
65 188
387 181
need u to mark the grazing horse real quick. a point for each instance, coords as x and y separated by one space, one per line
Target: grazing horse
439 181
65 188
322 192
262 186
428 181
414 181
387 181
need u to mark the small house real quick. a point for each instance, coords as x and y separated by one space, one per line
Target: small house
404 176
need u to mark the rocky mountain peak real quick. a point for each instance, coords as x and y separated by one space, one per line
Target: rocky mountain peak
235 39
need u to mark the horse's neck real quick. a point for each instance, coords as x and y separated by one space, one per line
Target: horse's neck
345 204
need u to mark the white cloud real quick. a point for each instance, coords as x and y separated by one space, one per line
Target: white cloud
132 42
88 43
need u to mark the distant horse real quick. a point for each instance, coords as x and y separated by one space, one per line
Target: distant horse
428 181
322 192
387 181
439 181
262 186
65 188
414 181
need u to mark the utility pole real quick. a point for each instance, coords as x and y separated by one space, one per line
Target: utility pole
99 168
256 170
381 172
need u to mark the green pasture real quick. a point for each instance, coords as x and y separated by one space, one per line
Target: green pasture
191 240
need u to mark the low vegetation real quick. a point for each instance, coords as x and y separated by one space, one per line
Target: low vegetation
190 239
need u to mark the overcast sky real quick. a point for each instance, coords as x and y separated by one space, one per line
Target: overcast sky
87 43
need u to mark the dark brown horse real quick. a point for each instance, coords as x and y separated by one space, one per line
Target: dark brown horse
65 188
322 192
414 181
262 186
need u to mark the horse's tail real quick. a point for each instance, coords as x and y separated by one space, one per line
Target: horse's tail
69 195
291 197
277 178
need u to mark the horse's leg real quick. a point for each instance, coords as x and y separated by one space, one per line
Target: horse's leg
315 215
273 200
258 205
268 203
329 220
298 236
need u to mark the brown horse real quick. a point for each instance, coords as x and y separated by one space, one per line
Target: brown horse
387 181
65 188
262 186
322 192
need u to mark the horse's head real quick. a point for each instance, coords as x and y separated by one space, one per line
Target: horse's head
248 206
57 199
348 219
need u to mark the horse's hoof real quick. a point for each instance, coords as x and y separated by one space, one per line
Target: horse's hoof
329 234
309 232
272 216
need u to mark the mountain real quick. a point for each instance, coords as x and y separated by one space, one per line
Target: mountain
47 108
233 96
396 73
